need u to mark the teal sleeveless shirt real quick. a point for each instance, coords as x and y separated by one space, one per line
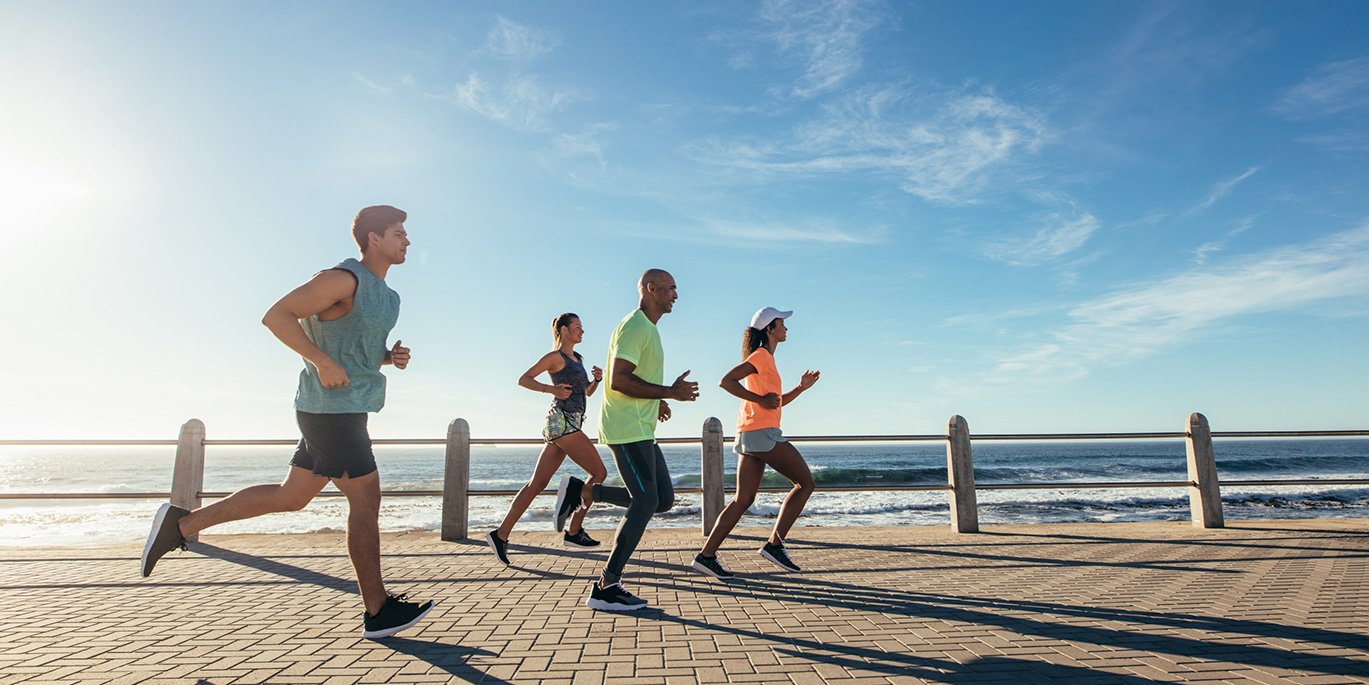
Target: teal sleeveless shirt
357 343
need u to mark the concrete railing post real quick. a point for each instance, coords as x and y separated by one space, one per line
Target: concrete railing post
960 476
711 472
456 482
187 476
1204 493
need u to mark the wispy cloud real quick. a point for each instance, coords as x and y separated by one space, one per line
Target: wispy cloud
372 85
1059 235
517 42
520 101
825 36
1146 319
515 98
947 155
587 143
761 234
1219 191
1332 89
1204 252
806 231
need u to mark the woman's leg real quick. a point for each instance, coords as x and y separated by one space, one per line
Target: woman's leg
584 454
749 472
789 463
547 463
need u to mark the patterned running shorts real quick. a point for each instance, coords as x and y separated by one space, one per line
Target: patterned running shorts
560 424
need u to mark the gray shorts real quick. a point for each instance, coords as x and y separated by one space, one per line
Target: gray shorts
758 441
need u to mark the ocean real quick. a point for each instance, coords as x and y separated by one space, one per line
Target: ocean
148 469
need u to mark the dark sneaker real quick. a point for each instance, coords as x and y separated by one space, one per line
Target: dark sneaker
394 616
778 557
580 539
567 500
710 566
164 537
499 547
613 598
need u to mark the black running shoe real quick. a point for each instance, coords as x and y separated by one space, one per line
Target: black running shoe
580 539
499 547
779 557
613 598
710 566
164 537
395 615
567 500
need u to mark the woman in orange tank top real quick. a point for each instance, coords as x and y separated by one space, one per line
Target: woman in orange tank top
760 442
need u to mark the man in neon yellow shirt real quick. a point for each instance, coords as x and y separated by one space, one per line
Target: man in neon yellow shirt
634 403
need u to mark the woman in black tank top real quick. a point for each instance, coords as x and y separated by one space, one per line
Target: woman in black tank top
570 386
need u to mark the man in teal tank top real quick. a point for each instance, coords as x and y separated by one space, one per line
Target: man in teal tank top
339 322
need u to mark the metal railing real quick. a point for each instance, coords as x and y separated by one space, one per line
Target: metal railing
1202 484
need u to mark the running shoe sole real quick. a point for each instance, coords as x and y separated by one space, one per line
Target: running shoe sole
601 605
387 632
153 536
709 572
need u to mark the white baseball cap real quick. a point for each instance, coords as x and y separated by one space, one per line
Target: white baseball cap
765 315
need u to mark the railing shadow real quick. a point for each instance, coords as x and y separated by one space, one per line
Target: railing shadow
1020 559
864 659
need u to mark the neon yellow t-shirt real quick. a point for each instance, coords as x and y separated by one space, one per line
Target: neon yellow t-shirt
624 419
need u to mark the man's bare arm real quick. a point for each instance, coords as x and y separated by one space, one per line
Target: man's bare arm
324 290
624 380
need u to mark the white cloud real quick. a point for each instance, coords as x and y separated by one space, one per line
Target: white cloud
1203 252
809 230
372 85
1220 190
520 102
947 155
1060 235
1335 88
1144 320
826 36
518 42
587 143
1337 93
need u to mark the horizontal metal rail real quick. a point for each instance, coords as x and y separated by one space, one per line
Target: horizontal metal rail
1163 435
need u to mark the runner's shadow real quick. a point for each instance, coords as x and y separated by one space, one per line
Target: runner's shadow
450 658
908 664
279 568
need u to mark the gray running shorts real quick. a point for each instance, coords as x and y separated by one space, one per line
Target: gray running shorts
758 441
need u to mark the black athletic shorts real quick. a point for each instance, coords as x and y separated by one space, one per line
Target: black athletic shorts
334 445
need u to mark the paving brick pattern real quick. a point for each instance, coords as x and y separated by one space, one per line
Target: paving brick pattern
1263 602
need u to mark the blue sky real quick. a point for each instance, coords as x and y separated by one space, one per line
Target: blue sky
1067 216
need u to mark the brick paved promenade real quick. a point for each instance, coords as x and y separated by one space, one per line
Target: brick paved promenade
1109 603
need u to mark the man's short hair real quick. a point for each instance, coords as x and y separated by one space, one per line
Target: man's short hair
375 219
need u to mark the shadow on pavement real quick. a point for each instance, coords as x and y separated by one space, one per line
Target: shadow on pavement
1008 615
280 568
450 658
